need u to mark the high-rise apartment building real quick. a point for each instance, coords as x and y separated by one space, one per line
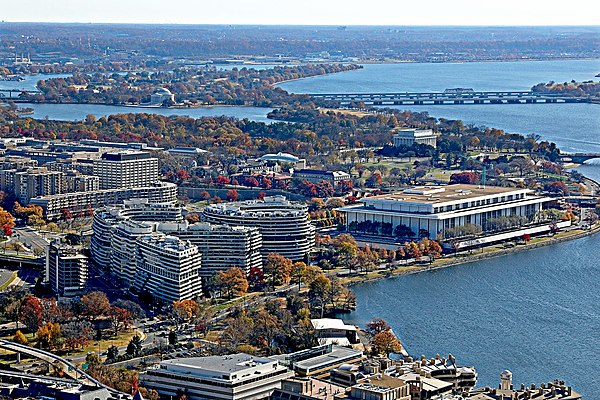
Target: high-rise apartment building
126 169
66 269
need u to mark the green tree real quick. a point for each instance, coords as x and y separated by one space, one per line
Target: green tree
135 346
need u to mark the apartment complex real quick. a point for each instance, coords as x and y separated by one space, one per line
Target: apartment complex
433 209
126 169
316 176
409 136
117 231
284 225
222 246
66 269
80 203
36 182
232 377
168 268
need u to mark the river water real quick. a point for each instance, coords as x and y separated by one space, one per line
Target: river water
536 313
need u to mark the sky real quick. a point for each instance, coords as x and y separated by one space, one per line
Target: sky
307 12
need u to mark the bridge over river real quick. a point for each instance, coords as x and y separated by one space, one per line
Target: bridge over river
449 97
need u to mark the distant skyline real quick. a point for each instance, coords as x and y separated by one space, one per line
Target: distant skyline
307 12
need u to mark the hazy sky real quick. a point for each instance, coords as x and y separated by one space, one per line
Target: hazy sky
308 12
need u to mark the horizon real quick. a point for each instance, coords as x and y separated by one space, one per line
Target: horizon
511 13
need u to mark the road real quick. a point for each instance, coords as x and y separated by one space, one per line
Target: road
31 238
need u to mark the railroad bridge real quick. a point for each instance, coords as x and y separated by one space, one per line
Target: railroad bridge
445 98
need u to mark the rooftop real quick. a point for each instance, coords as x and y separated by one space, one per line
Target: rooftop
331 323
441 194
224 364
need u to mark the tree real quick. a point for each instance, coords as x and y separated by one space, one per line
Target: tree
48 335
120 319
319 289
302 273
172 338
232 282
135 346
377 325
77 333
136 311
277 269
251 182
95 304
186 309
385 342
31 313
20 338
6 219
470 178
232 195
112 352
7 230
256 277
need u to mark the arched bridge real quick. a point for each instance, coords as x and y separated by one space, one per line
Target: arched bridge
580 158
446 98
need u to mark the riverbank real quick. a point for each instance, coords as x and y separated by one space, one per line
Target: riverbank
487 253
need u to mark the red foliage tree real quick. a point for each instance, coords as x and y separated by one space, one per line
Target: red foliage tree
469 178
232 195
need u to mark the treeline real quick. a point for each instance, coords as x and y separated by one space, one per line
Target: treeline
209 86
573 88
98 41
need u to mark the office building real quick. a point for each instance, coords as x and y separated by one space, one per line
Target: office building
409 136
66 269
126 169
168 268
316 176
284 225
431 210
232 377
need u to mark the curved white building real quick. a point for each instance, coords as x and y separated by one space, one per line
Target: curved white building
168 268
284 225
117 230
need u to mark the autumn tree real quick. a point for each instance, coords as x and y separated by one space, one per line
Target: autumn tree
31 313
20 338
95 304
232 282
48 335
377 325
77 334
385 342
6 219
277 269
232 195
120 319
186 309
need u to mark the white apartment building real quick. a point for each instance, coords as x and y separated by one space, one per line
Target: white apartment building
168 268
284 225
436 208
222 246
80 203
37 182
66 269
410 136
117 229
126 169
232 377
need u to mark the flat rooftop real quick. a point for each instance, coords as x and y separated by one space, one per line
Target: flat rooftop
441 194
338 354
225 364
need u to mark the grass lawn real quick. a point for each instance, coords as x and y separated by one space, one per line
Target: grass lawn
121 340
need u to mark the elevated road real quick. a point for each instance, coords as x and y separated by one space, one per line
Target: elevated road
71 369
447 98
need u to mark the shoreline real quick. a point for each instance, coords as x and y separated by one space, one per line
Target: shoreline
454 261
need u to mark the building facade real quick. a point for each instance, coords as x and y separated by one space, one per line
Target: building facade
37 182
222 246
168 268
408 137
232 377
434 209
80 203
284 225
66 269
126 169
316 176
